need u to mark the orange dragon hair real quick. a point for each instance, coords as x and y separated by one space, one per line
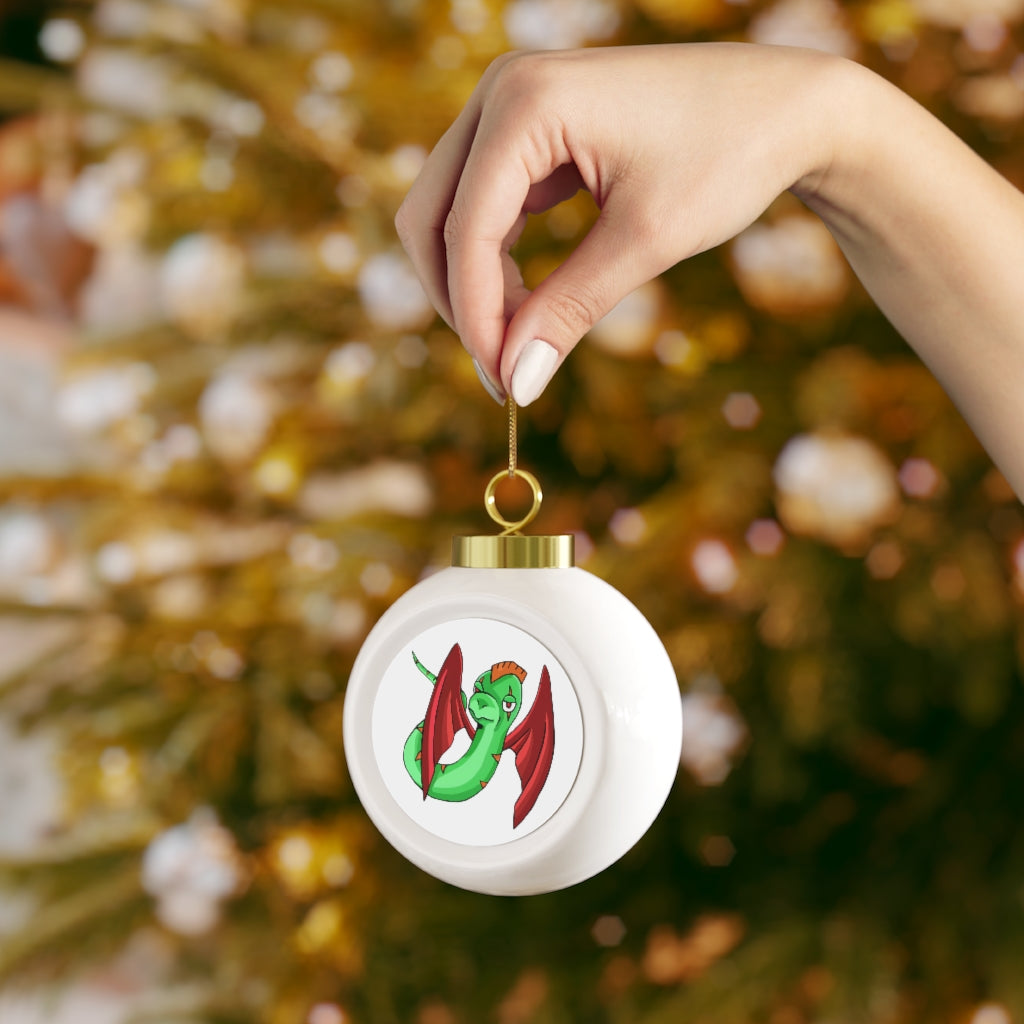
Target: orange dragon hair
507 668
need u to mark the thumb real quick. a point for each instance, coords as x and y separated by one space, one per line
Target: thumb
608 264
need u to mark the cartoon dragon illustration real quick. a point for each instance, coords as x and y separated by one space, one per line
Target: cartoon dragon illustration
487 716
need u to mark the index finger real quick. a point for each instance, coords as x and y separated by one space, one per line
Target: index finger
421 217
492 193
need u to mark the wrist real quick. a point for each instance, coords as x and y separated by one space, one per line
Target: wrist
881 166
844 106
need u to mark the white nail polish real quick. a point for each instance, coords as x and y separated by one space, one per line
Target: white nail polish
534 369
489 386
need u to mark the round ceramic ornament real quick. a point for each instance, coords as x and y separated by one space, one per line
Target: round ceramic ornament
512 723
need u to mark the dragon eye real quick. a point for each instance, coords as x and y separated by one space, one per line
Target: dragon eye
508 706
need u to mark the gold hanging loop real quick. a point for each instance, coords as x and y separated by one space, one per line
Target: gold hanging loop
491 503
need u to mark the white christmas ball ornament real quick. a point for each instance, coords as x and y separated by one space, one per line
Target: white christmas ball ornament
513 723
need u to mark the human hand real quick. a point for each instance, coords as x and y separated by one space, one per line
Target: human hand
684 146
681 146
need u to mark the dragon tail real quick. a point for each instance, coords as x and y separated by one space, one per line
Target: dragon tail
423 668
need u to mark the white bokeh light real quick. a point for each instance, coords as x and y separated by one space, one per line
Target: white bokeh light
714 566
392 295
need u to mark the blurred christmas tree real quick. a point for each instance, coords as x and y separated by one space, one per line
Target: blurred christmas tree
266 437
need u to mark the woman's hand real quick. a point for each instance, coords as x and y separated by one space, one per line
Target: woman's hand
684 146
680 146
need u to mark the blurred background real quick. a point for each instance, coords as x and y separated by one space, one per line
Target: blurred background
232 432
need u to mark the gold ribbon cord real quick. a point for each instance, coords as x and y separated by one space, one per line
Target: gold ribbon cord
512 527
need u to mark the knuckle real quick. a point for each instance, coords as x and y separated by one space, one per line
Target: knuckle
500 62
454 227
577 311
510 68
404 226
521 82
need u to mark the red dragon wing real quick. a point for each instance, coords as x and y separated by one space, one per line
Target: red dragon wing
446 715
533 742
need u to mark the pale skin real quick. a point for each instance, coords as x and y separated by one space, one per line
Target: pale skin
682 147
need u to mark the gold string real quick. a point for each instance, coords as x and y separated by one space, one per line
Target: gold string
513 440
512 527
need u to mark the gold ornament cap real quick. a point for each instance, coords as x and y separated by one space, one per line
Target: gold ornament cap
510 549
513 551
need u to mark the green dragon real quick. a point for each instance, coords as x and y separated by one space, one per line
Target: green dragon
487 715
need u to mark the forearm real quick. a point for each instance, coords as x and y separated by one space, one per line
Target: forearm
937 238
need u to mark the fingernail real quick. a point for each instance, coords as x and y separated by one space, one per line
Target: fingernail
489 386
534 369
